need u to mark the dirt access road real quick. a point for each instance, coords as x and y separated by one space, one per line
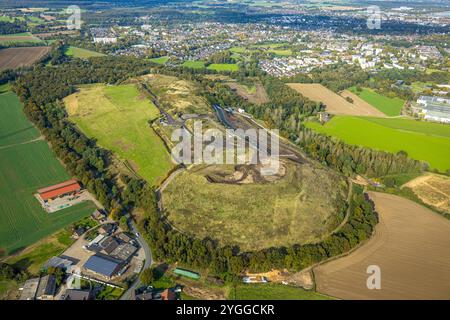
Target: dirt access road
411 246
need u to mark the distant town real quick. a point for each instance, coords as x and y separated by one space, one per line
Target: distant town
96 98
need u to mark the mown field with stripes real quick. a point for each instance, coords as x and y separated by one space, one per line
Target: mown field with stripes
27 164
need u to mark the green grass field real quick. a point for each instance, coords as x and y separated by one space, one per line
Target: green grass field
160 60
194 64
14 126
109 293
424 141
418 87
81 53
33 257
117 116
389 106
6 19
223 67
5 87
26 166
6 286
238 50
273 291
281 52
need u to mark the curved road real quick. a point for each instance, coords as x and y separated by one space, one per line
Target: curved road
147 262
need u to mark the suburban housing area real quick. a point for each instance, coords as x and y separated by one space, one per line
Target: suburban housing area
134 144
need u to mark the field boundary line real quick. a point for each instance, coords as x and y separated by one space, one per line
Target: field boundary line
40 138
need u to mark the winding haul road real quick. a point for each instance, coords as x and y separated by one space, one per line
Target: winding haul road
147 262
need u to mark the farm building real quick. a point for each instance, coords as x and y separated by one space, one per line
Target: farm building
47 288
124 251
73 294
103 265
58 262
43 288
168 295
29 289
186 273
98 215
62 189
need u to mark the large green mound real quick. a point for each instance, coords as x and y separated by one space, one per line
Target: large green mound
302 205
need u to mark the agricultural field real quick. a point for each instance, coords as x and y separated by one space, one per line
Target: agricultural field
274 48
239 206
223 67
389 106
95 107
256 94
410 244
11 39
14 126
55 33
273 291
194 64
176 95
281 52
432 189
238 50
425 141
160 60
334 103
6 19
81 53
31 165
13 58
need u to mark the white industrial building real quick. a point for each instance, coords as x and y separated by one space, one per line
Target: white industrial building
434 108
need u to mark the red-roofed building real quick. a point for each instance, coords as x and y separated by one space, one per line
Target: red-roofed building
168 295
58 190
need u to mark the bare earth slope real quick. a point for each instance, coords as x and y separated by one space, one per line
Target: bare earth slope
411 246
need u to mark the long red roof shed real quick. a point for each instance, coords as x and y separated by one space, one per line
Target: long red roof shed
59 189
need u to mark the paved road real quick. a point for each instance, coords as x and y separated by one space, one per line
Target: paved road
154 98
147 263
222 118
285 150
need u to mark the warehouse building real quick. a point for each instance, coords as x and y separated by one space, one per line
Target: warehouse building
66 188
103 265
434 108
43 288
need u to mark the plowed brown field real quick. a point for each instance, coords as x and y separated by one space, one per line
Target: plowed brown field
411 246
334 103
13 58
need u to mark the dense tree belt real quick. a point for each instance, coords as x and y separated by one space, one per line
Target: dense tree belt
41 91
350 159
12 27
